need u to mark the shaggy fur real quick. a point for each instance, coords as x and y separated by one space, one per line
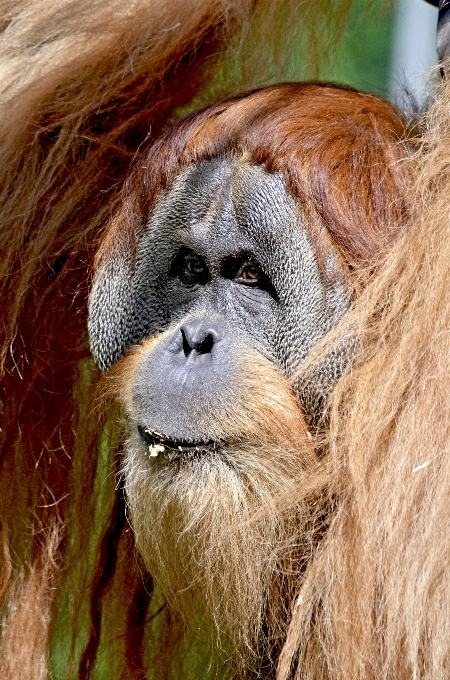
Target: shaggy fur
83 85
29 615
375 600
213 534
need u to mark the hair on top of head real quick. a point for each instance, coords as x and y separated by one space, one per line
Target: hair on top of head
338 149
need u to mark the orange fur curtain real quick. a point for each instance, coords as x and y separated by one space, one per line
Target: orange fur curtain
375 602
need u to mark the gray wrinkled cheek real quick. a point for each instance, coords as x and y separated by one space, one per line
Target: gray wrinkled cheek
315 383
319 300
110 302
338 298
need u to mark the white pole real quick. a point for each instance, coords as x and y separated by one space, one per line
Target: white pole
413 53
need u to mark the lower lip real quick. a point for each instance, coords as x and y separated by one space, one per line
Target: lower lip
162 445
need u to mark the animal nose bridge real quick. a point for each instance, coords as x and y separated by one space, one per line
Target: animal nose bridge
200 336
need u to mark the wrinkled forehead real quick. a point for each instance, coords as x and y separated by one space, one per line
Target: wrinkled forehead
221 200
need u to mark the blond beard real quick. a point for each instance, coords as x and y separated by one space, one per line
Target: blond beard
214 528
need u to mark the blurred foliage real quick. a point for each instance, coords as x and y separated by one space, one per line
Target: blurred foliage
363 59
358 57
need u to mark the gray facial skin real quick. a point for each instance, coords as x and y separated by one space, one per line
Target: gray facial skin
193 272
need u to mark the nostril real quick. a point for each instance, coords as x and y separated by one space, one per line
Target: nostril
206 345
187 349
202 346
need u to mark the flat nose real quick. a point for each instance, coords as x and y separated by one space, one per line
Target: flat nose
199 337
194 341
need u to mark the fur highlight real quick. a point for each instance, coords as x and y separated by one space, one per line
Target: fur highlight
197 548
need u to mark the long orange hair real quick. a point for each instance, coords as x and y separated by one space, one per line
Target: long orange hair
336 148
374 604
83 88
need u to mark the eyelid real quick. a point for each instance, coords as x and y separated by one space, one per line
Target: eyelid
179 268
232 267
250 263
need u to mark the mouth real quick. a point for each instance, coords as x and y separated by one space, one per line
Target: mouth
158 443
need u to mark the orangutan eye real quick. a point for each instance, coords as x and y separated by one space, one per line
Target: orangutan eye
192 269
244 270
250 273
194 265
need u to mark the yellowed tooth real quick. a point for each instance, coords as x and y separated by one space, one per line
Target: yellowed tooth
154 449
154 433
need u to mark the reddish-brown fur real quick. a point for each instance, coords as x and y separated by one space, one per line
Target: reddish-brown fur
375 603
82 88
336 148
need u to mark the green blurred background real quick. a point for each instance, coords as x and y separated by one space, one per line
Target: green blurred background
388 49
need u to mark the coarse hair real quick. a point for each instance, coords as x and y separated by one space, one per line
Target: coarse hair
341 154
84 85
375 599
